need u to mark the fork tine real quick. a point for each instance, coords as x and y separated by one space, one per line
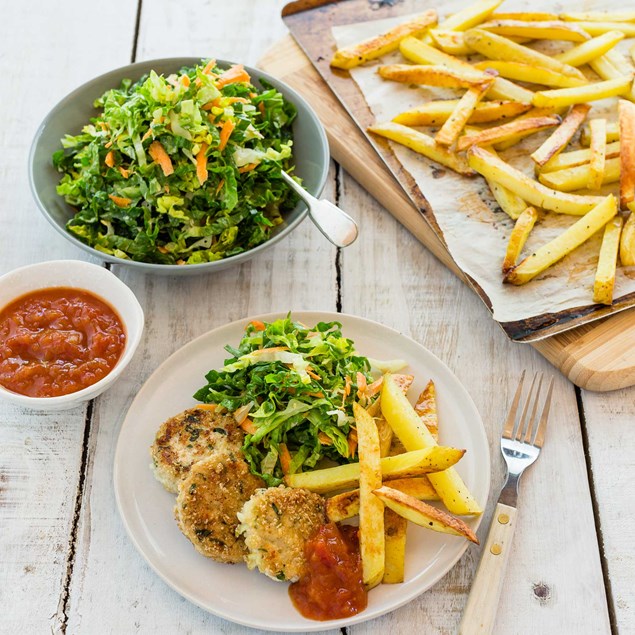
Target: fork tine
534 411
523 416
539 433
511 415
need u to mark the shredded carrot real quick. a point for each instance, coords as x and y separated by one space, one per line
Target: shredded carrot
225 133
253 95
147 134
352 442
201 164
261 108
120 201
285 458
209 67
361 384
373 389
110 159
258 325
162 249
103 125
205 406
125 173
211 117
108 145
324 439
219 187
248 426
317 395
312 374
185 80
248 168
347 386
233 75
158 154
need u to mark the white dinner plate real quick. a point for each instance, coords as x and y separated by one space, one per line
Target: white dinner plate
232 591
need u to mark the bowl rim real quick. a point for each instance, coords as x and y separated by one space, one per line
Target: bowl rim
133 337
148 267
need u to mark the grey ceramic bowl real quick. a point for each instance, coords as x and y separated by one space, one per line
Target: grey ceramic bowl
310 150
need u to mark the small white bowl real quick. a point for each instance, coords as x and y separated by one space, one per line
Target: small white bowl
79 275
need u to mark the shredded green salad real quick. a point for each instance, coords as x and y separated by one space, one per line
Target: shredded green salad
295 387
183 169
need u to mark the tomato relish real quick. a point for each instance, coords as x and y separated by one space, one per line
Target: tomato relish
332 587
57 341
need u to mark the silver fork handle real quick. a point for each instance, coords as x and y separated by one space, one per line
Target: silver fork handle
482 603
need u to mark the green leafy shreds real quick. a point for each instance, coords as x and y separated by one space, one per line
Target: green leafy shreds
127 206
295 379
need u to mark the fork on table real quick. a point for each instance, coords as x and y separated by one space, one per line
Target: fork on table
522 439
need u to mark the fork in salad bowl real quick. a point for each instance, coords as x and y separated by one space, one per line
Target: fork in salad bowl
522 439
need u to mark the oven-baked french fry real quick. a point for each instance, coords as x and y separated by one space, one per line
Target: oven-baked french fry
525 16
529 73
619 61
384 431
470 16
581 94
517 128
331 479
539 30
423 144
598 153
518 237
627 240
455 123
450 42
423 514
626 112
511 204
395 529
435 113
371 509
599 16
590 49
607 262
421 53
605 67
497 47
565 243
346 505
597 28
580 177
578 157
530 114
412 432
375 47
429 75
494 168
426 408
560 138
612 133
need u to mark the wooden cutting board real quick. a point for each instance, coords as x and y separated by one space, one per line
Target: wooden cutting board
598 356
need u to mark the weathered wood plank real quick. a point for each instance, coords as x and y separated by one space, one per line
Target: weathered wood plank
610 428
298 273
389 277
40 454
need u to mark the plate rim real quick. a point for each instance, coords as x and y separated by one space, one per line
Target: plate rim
311 626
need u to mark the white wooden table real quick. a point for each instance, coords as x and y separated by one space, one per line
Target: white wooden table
66 564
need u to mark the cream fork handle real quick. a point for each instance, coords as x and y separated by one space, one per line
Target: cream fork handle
482 603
